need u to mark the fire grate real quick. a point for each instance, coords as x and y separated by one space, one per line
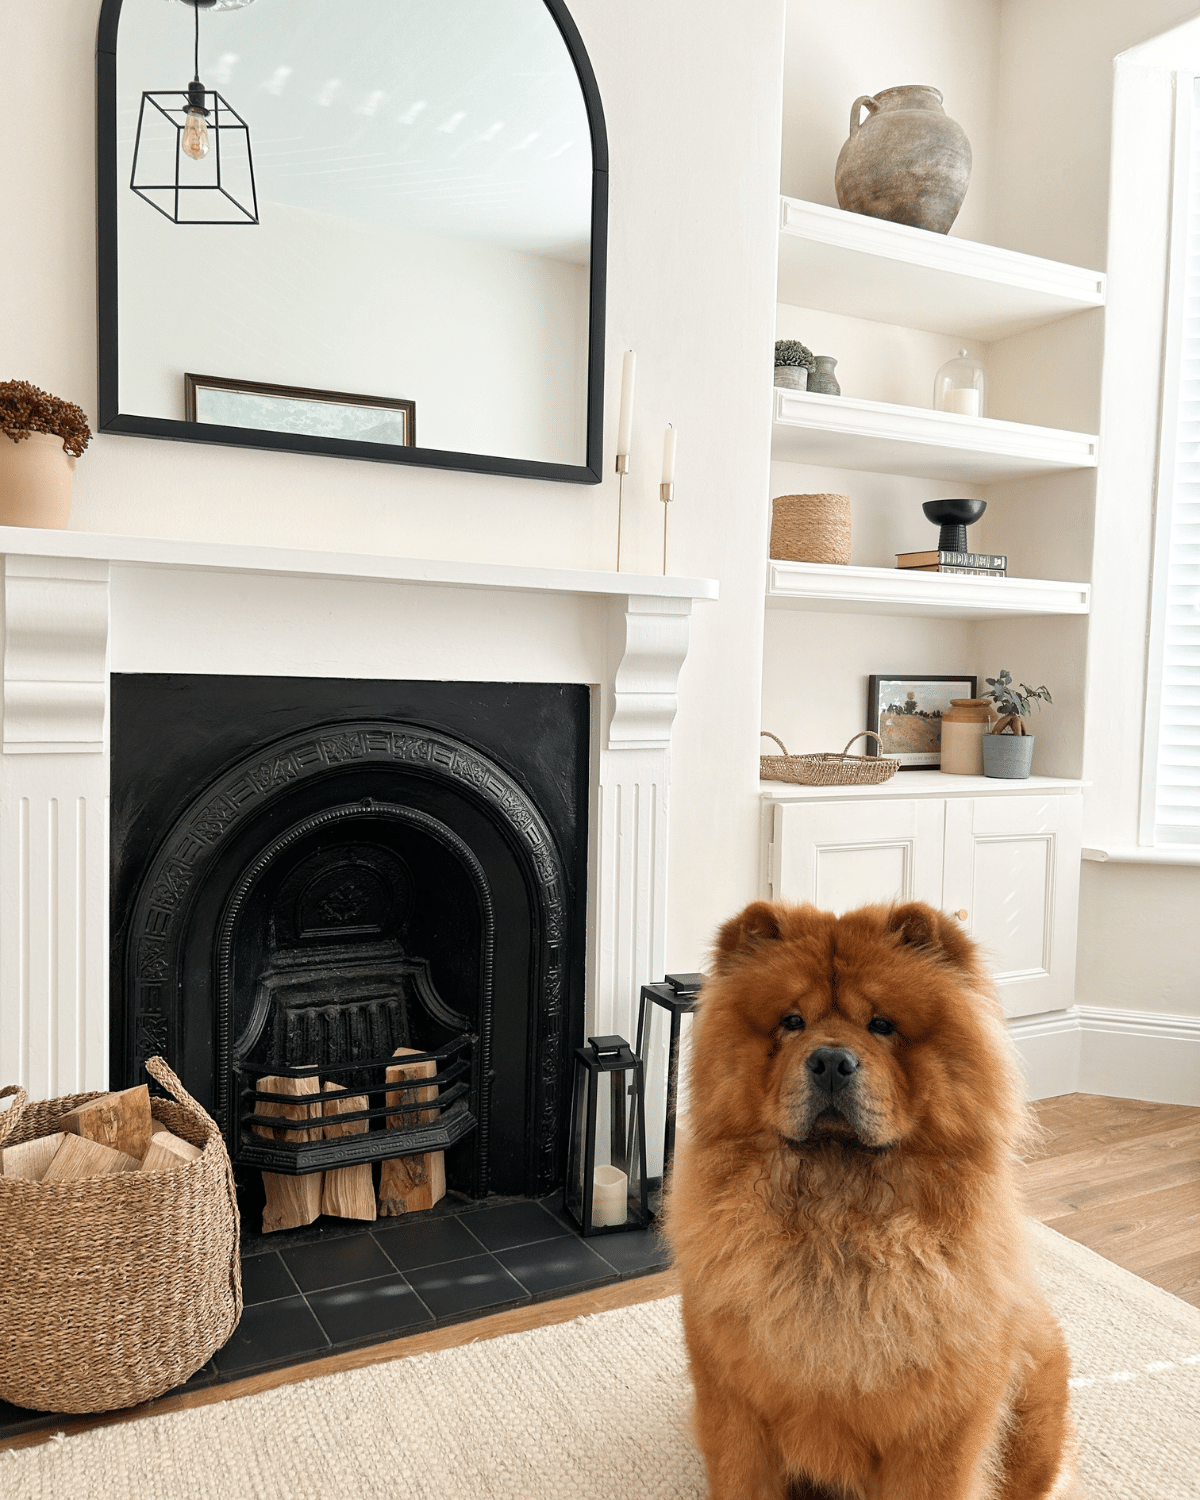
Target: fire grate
452 1118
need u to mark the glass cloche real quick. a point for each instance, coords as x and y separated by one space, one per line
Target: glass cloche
961 386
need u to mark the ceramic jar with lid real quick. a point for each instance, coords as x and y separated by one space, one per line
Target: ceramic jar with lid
964 725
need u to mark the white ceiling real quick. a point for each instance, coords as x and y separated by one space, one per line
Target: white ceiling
450 117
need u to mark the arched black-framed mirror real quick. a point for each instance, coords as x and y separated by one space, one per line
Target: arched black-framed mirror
393 247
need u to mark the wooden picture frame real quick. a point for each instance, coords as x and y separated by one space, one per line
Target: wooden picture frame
913 734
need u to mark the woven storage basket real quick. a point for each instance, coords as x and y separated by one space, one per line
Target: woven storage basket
828 770
115 1289
811 528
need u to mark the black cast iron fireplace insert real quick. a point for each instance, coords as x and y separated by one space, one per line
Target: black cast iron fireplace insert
311 873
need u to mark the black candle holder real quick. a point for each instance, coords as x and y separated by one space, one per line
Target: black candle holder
953 516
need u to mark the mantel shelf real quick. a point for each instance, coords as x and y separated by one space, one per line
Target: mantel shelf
901 591
239 558
842 432
890 273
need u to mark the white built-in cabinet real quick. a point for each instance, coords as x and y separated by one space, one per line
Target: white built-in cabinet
1006 866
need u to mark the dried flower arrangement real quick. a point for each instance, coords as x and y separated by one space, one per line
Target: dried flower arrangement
793 352
25 409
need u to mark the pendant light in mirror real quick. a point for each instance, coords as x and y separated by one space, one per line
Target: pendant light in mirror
192 159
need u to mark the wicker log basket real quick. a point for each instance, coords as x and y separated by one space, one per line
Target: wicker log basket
115 1289
828 769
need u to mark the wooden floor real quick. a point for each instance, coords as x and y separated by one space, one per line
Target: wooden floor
1123 1178
1118 1175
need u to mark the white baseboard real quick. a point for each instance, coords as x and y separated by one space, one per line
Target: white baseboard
1125 1054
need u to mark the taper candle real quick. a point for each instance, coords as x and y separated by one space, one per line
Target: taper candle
625 427
669 437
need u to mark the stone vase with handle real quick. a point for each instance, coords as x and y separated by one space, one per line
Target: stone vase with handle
907 161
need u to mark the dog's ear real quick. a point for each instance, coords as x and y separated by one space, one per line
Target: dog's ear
745 933
933 932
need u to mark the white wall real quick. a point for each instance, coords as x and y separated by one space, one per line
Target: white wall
690 286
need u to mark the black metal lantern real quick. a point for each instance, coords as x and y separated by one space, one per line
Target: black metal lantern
606 1197
192 160
660 1020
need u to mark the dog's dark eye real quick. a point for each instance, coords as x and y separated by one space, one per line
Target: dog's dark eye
880 1027
792 1023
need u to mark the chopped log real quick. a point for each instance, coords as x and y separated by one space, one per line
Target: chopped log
122 1121
167 1152
79 1157
349 1192
409 1184
291 1201
30 1159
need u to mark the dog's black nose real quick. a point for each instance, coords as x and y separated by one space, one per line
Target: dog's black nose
832 1067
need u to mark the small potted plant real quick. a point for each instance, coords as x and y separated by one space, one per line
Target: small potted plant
1008 749
792 364
41 436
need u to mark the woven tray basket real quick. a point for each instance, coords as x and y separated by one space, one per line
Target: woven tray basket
115 1289
828 770
811 528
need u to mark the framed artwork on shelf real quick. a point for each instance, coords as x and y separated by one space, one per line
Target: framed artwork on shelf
906 713
283 408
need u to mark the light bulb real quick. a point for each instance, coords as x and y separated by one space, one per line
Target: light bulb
195 135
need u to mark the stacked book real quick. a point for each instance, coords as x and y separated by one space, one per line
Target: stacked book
977 564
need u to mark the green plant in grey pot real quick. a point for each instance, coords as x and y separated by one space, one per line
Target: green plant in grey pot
1008 749
792 363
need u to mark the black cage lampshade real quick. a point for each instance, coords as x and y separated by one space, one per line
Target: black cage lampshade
661 1016
606 1151
191 158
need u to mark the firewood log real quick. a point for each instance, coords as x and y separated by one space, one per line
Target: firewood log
167 1152
30 1159
408 1184
79 1157
122 1121
349 1192
291 1201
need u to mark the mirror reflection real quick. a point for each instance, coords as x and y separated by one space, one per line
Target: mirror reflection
365 219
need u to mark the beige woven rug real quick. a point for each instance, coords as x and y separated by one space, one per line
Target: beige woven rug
597 1410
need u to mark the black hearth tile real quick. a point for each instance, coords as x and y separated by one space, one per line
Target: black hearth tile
556 1267
555 1207
370 1309
512 1224
15 1420
478 1285
272 1333
426 1242
336 1262
635 1253
205 1375
265 1278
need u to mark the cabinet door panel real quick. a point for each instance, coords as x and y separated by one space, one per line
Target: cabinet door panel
1012 864
840 855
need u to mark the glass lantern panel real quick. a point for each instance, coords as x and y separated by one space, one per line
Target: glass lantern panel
665 1091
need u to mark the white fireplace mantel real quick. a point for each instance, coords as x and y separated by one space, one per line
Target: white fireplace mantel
78 607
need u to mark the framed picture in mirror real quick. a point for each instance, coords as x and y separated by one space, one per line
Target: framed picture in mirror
403 197
282 408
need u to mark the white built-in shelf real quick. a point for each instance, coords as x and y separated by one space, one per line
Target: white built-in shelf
903 591
890 273
842 432
924 784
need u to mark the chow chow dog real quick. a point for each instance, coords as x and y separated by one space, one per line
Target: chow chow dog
862 1319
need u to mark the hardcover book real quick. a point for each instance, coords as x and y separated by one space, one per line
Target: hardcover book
974 572
951 559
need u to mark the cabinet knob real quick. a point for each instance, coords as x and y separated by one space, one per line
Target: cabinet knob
961 915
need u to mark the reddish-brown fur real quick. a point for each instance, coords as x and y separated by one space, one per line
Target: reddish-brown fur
861 1316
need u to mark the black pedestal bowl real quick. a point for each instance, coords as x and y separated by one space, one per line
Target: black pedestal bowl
953 516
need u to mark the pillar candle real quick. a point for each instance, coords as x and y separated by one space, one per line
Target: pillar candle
964 399
610 1189
625 428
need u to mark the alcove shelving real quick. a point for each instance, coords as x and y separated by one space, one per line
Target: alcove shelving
901 591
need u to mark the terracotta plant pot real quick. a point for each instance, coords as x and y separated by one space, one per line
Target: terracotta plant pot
907 161
36 477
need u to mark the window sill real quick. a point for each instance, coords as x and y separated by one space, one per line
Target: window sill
1135 854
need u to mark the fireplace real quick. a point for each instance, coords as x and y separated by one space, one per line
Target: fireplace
313 872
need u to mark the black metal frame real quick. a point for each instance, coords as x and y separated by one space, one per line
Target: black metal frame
678 1000
612 1055
294 1158
219 127
112 419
